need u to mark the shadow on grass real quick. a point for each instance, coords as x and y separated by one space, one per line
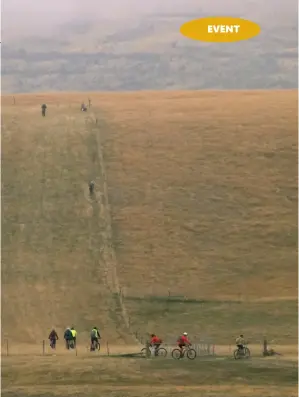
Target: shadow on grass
175 299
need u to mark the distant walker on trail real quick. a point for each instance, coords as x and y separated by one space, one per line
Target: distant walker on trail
83 107
91 187
44 108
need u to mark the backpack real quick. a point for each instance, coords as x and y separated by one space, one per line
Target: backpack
94 333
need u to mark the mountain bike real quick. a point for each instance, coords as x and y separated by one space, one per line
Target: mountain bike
95 345
242 353
190 353
161 352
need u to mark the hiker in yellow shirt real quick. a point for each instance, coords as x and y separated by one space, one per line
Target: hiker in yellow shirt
74 334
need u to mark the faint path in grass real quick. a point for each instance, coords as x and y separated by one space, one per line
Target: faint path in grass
101 209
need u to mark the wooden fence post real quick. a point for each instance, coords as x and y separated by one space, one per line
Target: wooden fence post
148 352
265 347
108 351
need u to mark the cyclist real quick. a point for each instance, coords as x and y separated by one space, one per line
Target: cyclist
155 342
240 342
183 341
94 339
53 338
74 334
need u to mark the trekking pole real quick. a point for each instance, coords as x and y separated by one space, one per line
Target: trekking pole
43 347
108 351
7 347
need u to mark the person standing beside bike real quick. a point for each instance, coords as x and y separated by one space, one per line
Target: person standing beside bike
95 339
53 338
74 334
68 337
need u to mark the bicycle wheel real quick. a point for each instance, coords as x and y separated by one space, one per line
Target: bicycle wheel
191 354
162 352
246 352
237 354
176 354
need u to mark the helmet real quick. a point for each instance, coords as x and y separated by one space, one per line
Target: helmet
242 336
185 333
152 335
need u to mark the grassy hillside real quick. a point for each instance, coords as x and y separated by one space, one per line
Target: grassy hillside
203 195
55 265
148 52
204 205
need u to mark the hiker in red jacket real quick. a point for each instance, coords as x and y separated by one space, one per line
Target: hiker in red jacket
183 341
155 342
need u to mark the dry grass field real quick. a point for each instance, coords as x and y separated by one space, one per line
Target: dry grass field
128 377
202 190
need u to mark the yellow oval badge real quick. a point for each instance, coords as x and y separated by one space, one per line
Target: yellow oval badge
220 29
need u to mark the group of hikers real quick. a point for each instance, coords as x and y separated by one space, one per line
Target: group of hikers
70 337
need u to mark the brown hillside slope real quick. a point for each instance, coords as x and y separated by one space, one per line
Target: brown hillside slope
54 238
203 188
203 193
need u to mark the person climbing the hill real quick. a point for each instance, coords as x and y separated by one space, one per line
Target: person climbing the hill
91 188
53 338
155 342
74 335
95 339
183 341
44 108
68 337
240 342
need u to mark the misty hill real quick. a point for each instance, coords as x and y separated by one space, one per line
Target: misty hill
148 52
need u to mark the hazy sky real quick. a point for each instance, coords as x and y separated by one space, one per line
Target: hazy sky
31 16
